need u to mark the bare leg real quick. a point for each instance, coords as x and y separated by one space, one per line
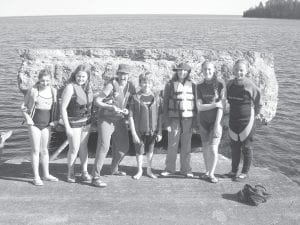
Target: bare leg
74 144
83 150
139 159
213 159
206 157
35 139
149 165
45 135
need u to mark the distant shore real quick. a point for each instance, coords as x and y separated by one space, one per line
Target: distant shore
280 9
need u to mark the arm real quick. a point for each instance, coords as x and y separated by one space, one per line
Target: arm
165 110
24 108
206 107
135 137
65 100
99 101
218 126
159 132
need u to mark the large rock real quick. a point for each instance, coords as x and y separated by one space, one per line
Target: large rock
104 63
160 62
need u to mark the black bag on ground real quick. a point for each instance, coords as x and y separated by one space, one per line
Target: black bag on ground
253 195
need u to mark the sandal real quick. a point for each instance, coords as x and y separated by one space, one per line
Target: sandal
229 175
204 176
98 183
86 177
166 173
189 175
241 177
37 182
50 178
213 180
119 173
71 178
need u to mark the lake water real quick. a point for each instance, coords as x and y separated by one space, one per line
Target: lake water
277 145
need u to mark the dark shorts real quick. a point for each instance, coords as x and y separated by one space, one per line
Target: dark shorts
146 145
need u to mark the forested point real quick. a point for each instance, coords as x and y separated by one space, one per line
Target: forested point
288 9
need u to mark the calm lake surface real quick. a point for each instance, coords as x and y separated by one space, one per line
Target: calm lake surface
277 145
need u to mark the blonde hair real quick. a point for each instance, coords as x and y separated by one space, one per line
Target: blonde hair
239 62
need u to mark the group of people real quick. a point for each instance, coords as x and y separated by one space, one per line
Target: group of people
183 107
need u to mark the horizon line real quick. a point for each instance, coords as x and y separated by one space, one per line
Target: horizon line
125 14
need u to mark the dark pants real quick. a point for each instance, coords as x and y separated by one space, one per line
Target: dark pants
238 147
117 131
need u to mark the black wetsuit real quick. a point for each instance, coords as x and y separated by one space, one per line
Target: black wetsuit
244 99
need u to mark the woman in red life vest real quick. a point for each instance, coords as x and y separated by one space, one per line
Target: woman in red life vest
179 112
40 111
76 105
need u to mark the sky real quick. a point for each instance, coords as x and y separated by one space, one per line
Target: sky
84 7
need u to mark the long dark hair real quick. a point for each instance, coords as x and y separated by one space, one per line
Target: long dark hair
84 68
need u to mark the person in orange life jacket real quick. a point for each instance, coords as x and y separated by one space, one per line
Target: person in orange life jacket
145 123
76 103
113 103
210 98
244 99
179 113
40 111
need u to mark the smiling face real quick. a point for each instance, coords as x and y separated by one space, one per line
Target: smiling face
208 70
45 81
81 77
123 78
182 74
240 71
146 85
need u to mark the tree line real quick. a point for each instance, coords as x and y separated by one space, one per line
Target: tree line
289 9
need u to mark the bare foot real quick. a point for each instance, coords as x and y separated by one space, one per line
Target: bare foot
138 175
150 174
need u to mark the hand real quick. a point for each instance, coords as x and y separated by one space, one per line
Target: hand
116 109
125 112
135 139
168 128
29 122
217 131
158 137
219 104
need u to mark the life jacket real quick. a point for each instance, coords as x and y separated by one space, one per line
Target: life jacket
182 99
80 104
145 118
118 98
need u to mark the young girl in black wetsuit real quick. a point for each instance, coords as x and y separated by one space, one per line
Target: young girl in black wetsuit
39 110
244 99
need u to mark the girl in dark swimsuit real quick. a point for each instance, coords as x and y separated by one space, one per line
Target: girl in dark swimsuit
76 104
39 110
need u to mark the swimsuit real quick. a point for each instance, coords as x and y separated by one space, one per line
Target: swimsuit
42 113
